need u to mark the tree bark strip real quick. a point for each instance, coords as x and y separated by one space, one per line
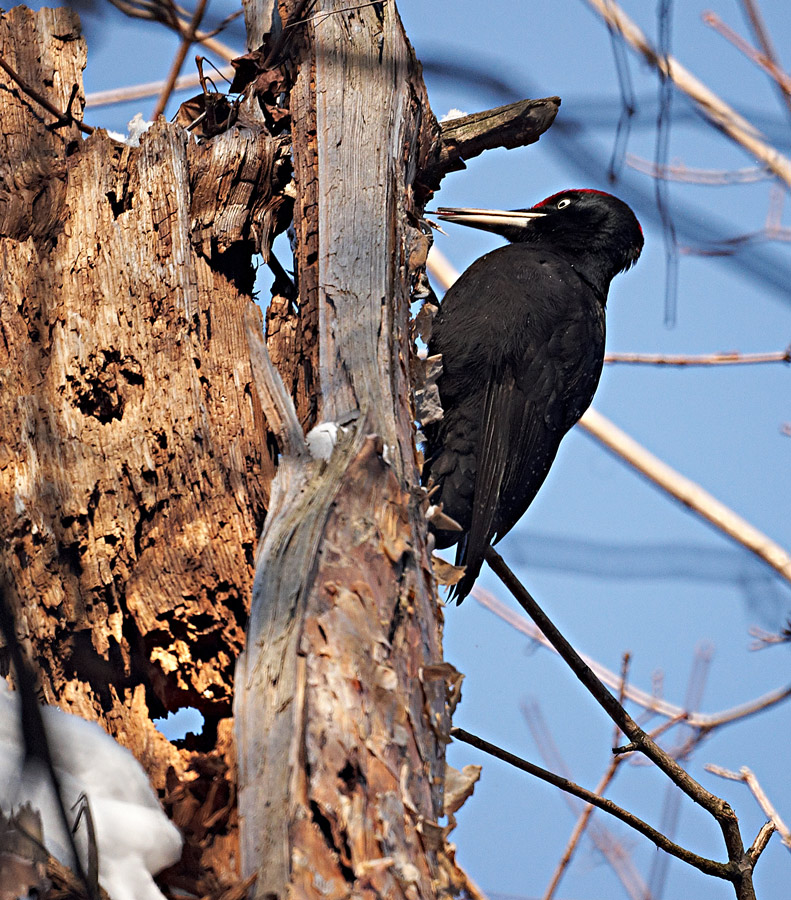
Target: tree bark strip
342 705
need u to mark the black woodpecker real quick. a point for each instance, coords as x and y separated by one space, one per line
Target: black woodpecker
521 335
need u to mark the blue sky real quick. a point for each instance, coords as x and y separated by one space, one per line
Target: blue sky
616 563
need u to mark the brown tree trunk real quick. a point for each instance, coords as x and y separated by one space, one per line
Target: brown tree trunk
343 703
134 473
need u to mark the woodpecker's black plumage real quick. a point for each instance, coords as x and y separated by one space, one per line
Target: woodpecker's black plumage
521 335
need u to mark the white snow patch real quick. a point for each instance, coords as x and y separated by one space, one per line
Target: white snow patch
321 440
137 125
453 114
135 839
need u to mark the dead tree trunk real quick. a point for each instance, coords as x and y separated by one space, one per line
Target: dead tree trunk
138 405
342 704
134 473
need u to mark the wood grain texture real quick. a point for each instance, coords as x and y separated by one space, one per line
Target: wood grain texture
513 125
134 469
342 705
140 413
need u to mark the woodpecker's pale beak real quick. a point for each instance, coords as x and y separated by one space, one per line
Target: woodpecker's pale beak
489 219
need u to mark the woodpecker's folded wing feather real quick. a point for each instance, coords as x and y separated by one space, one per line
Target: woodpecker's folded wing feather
563 373
489 474
511 430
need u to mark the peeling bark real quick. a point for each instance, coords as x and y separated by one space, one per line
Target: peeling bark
134 473
342 704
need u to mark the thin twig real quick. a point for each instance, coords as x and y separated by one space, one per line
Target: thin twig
661 152
600 693
172 16
704 722
714 109
188 38
64 118
732 358
579 829
761 60
692 495
148 89
763 638
747 776
671 804
763 38
715 806
584 818
709 866
729 246
631 880
761 840
628 106
626 660
689 175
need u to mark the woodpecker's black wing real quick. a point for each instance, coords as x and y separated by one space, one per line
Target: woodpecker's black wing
516 376
565 371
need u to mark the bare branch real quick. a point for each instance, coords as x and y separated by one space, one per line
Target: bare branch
64 118
148 89
709 866
764 639
758 26
617 856
761 840
514 125
729 246
605 699
579 829
692 495
761 60
732 358
172 16
703 721
738 869
769 56
747 776
714 109
626 660
583 820
690 175
188 38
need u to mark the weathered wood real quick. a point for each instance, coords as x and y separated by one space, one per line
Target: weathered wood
261 18
342 709
134 474
514 125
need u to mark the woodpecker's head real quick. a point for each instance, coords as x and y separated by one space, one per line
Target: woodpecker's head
574 222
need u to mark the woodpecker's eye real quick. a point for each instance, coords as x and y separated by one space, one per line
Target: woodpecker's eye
562 204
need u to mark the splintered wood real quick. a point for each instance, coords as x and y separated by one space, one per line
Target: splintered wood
134 473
